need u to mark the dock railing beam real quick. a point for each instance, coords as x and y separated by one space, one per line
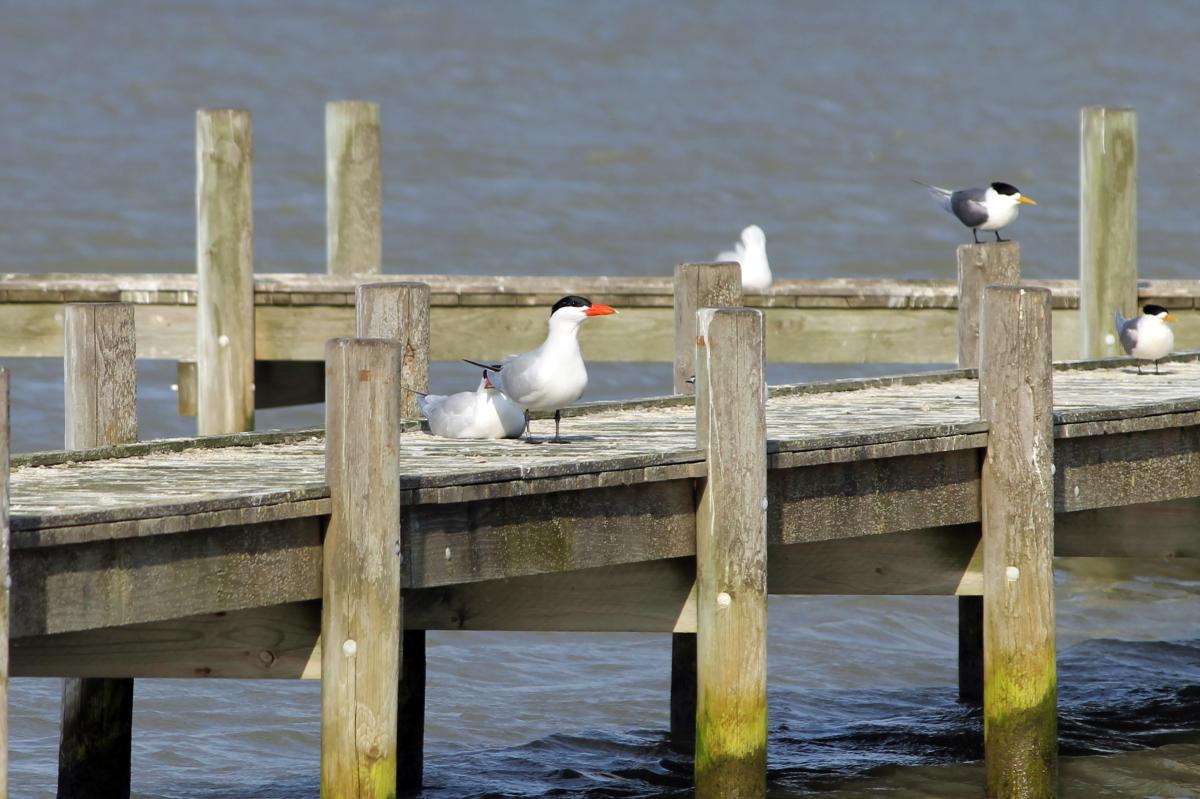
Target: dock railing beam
400 312
1015 398
697 285
731 556
979 265
353 188
225 273
361 612
5 444
100 384
1107 225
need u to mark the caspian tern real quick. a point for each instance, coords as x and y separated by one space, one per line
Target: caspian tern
482 413
552 376
751 253
1148 336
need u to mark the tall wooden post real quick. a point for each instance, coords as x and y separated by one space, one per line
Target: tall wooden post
979 265
1107 225
353 189
731 556
361 619
399 311
1015 397
698 285
225 270
100 382
5 443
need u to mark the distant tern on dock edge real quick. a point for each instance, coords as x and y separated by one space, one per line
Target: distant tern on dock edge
751 253
1147 337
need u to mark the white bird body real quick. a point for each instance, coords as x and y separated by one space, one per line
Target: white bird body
751 253
1147 337
482 413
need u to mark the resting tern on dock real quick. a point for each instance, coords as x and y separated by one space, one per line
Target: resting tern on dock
552 376
1148 336
982 209
482 413
751 253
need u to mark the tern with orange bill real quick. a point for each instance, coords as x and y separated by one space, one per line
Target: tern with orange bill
982 209
552 376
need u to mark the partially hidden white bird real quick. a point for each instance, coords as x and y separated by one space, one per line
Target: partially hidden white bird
751 253
982 209
552 376
1147 337
482 413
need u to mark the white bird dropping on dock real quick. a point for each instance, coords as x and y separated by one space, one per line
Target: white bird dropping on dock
482 413
751 253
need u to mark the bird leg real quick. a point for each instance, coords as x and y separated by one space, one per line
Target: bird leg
997 232
557 422
975 234
1139 366
1156 367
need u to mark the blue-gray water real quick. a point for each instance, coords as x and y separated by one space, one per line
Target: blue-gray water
620 138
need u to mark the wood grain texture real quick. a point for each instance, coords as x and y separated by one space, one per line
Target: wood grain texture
1107 224
699 285
399 311
353 188
361 608
5 591
731 557
980 265
225 273
1017 508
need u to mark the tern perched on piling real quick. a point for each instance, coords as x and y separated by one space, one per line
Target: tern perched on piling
751 253
982 209
552 376
1147 337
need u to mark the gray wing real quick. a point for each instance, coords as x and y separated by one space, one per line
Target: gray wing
967 205
1127 331
941 195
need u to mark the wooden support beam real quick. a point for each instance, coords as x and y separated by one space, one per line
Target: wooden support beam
697 286
96 736
225 270
361 610
731 556
1017 508
5 536
353 188
1107 225
399 311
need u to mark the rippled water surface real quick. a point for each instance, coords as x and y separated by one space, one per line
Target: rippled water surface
620 138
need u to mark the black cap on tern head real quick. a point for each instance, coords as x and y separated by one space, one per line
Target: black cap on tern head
1005 188
1153 310
571 300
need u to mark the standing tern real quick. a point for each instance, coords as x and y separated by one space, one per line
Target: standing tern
751 253
482 413
1148 336
982 209
552 376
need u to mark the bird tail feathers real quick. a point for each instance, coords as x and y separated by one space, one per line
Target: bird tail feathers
938 193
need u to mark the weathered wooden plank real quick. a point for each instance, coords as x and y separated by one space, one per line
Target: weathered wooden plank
361 607
1017 509
353 188
980 265
5 583
697 286
1107 224
1152 531
400 311
225 269
96 733
731 557
1104 471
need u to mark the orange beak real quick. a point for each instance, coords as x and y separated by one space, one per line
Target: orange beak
1169 317
1027 201
599 310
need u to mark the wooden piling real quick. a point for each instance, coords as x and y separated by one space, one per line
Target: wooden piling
399 311
353 188
700 285
361 605
731 556
225 269
1107 225
100 383
979 265
1015 397
5 588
